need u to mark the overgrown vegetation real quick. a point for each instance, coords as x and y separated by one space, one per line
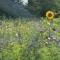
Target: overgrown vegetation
27 39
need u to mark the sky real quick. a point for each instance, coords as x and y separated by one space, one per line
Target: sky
25 2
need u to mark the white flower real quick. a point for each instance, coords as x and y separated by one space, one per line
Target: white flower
49 24
16 34
49 38
46 42
54 38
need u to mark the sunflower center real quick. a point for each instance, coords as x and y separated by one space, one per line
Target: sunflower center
49 15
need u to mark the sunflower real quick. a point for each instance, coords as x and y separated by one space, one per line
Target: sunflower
50 15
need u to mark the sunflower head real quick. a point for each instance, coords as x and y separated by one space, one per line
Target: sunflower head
50 15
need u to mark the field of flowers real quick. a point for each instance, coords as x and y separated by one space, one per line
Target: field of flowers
28 39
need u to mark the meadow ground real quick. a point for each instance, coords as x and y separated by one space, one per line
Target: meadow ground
28 39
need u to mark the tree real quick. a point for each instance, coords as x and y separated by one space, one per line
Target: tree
39 7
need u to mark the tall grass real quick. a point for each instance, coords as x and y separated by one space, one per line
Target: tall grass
27 39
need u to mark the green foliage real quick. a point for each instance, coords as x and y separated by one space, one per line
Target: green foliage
28 40
11 52
39 7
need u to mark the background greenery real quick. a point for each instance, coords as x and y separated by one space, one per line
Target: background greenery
36 8
39 7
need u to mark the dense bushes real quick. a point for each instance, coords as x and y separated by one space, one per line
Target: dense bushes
39 7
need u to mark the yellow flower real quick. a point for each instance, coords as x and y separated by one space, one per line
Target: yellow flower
50 15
